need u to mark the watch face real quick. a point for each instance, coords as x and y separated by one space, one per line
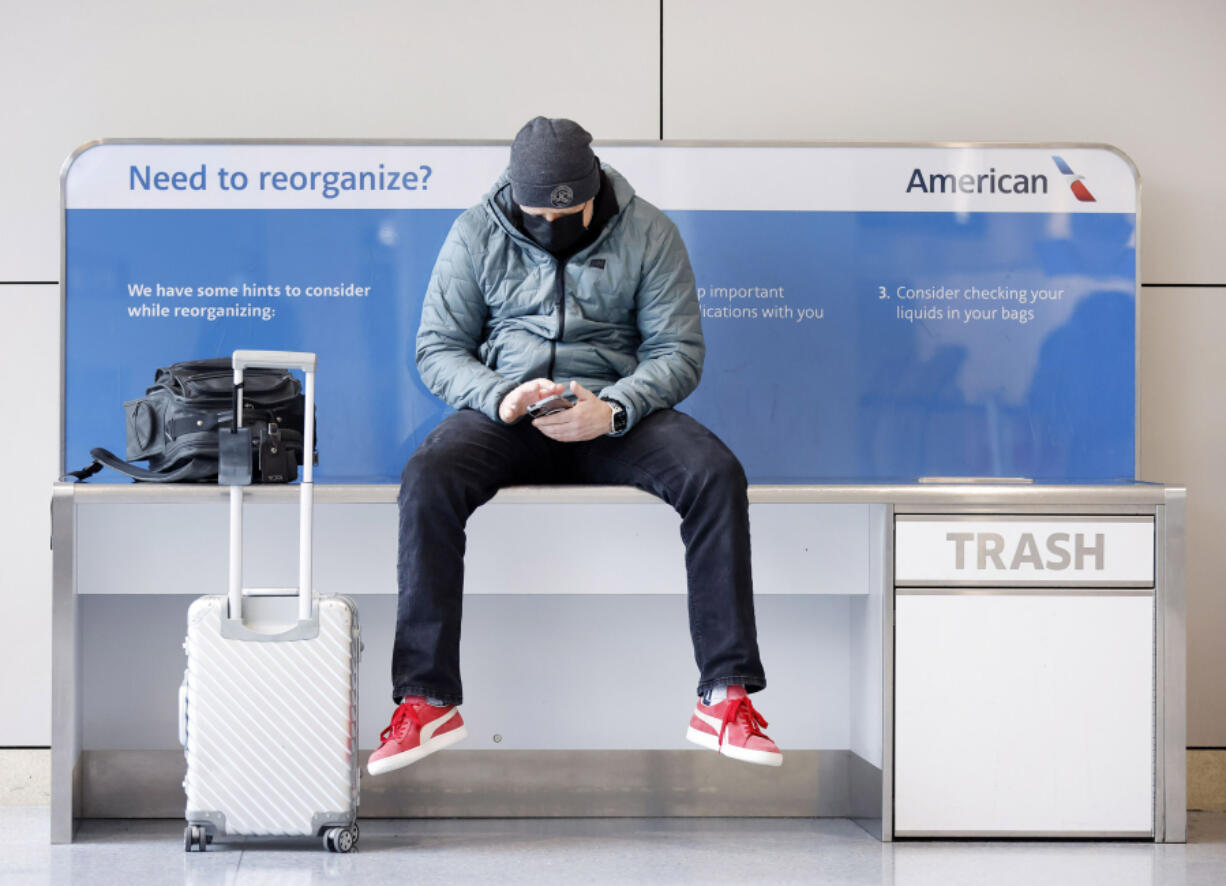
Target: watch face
619 415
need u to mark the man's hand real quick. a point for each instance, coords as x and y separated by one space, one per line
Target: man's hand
516 403
589 418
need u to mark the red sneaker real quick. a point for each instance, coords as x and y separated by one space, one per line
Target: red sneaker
417 729
731 727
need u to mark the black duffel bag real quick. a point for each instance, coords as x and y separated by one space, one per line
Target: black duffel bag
175 425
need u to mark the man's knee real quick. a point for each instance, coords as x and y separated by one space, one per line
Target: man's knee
708 455
434 465
718 466
461 463
710 468
425 475
702 458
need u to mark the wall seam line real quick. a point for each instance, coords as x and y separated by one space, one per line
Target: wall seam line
661 72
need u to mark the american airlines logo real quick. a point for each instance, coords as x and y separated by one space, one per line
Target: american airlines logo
1076 182
994 182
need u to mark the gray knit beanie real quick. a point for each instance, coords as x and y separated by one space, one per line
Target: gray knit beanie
552 164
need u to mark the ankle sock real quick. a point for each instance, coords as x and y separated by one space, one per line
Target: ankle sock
714 695
430 700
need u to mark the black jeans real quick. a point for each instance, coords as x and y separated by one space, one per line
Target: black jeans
469 457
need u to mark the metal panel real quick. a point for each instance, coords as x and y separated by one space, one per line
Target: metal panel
1158 777
569 648
797 547
954 588
962 498
65 669
865 787
866 610
1012 834
494 783
887 675
1173 688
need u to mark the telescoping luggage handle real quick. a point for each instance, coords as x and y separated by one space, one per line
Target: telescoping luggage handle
274 360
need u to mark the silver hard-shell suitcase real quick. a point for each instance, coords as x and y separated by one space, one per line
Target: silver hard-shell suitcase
268 704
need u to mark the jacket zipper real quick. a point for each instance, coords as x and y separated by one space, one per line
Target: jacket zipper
561 305
500 219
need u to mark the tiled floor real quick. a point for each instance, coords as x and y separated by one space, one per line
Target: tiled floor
597 851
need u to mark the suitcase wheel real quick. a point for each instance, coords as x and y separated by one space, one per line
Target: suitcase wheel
341 839
194 838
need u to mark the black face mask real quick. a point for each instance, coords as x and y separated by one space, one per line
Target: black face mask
556 236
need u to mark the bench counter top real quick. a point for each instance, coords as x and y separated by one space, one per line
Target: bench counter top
906 494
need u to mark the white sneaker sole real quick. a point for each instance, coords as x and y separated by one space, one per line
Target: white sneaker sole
404 758
747 755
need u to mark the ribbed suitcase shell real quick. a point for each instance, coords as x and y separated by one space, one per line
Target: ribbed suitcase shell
271 726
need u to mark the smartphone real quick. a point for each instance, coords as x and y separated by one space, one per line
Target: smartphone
549 406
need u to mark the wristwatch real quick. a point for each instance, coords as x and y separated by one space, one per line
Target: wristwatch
617 422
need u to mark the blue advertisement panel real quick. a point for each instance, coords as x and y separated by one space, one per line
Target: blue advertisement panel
871 314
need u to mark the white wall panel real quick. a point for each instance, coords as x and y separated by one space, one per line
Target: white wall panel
29 451
70 72
1183 439
1144 76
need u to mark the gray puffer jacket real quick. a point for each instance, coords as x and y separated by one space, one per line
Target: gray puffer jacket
621 317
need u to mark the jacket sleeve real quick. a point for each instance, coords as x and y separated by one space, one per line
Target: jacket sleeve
671 354
453 318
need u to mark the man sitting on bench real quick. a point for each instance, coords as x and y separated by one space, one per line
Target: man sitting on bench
562 273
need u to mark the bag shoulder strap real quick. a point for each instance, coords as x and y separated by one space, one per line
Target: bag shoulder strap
85 473
106 457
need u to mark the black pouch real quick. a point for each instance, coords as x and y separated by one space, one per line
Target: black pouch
277 464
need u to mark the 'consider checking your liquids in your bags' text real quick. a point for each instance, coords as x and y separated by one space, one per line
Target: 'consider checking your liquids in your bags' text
907 304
